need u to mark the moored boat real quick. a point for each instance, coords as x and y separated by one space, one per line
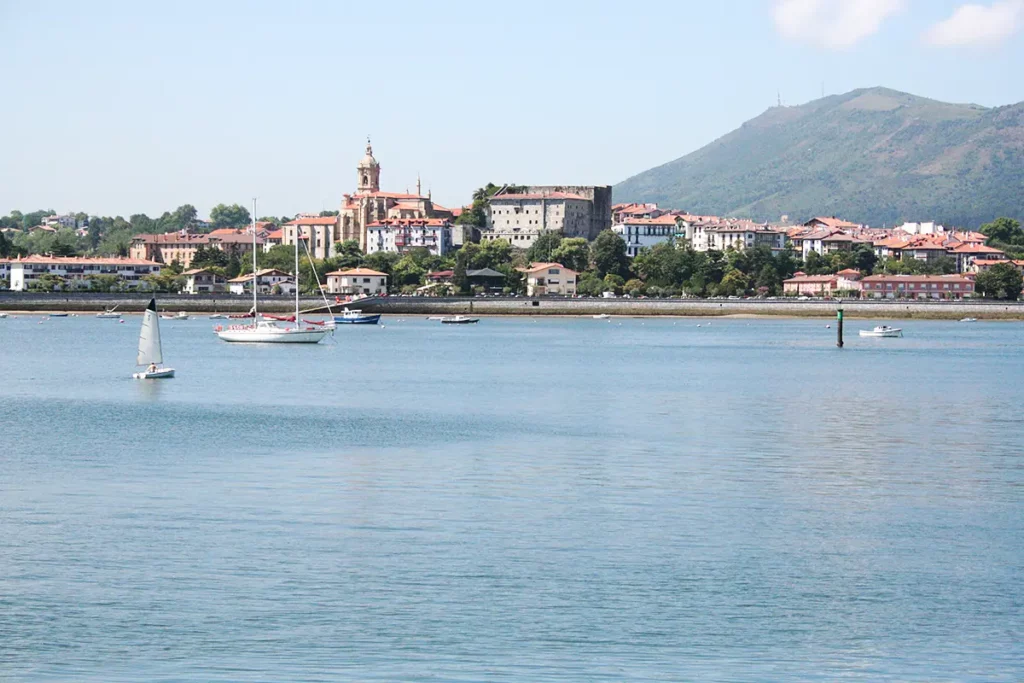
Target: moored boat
602 316
109 313
882 331
458 320
58 315
351 316
968 320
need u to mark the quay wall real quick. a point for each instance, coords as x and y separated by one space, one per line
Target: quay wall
226 303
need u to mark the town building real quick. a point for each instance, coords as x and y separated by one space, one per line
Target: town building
967 253
358 281
844 283
268 281
979 265
320 233
76 272
5 273
399 235
549 279
831 223
737 234
181 246
522 218
273 238
202 281
642 232
368 204
488 278
68 220
917 287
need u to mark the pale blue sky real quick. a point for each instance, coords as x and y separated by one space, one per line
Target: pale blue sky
122 107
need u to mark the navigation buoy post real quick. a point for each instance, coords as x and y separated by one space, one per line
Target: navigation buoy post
839 325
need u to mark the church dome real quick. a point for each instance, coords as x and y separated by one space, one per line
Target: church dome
368 161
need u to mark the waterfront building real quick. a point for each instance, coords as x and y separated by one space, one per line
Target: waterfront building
969 252
267 280
358 281
5 272
368 204
549 278
399 235
320 233
979 265
917 287
571 211
488 278
182 246
738 234
639 233
202 281
77 272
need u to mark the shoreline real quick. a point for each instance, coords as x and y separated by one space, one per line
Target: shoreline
86 303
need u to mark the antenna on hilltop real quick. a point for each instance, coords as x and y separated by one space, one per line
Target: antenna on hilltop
779 95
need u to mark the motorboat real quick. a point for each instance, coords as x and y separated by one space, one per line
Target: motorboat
882 331
109 313
182 315
458 320
351 316
968 320
58 315
602 316
151 351
2 316
218 316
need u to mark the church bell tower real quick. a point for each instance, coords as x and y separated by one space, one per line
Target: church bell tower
368 172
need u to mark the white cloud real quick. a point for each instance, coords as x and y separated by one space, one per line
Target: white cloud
978 24
833 24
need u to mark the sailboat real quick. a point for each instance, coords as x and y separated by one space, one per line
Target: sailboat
268 331
150 350
109 313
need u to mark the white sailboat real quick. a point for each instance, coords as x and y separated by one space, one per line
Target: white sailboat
268 331
151 352
109 313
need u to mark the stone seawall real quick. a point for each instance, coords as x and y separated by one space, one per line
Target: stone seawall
693 307
136 303
226 303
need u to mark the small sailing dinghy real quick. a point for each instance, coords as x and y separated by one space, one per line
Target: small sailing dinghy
109 313
150 351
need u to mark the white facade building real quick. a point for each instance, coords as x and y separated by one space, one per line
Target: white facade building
521 218
358 281
549 278
639 233
76 271
399 235
266 280
320 233
5 273
739 235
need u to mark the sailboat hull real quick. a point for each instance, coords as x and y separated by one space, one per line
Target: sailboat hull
261 335
161 373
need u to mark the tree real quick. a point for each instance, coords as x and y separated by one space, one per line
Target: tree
734 283
573 253
327 214
1003 230
864 258
210 257
1001 281
476 214
141 223
104 283
5 246
814 264
609 254
613 283
183 217
543 247
30 220
234 216
634 287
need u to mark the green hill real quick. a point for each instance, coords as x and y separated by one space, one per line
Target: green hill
873 156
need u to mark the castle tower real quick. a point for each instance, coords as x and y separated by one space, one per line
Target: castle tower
368 172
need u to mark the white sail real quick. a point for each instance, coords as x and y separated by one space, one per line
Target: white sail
149 338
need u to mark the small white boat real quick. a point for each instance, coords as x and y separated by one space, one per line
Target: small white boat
882 331
182 315
968 320
151 351
602 316
2 316
109 313
458 320
218 316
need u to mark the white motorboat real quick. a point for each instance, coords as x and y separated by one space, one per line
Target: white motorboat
151 351
109 313
268 331
218 316
458 320
2 316
968 320
882 331
602 316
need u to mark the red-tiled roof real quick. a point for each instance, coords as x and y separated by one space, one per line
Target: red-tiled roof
314 220
359 271
84 261
533 268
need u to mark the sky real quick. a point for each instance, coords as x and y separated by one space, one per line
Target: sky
120 107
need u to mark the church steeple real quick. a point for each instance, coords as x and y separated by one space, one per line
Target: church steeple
419 190
368 171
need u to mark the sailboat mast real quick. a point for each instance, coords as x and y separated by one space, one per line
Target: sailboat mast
254 261
297 275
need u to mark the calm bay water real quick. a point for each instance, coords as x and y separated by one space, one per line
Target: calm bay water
520 500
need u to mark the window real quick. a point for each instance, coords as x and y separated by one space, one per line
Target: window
552 271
